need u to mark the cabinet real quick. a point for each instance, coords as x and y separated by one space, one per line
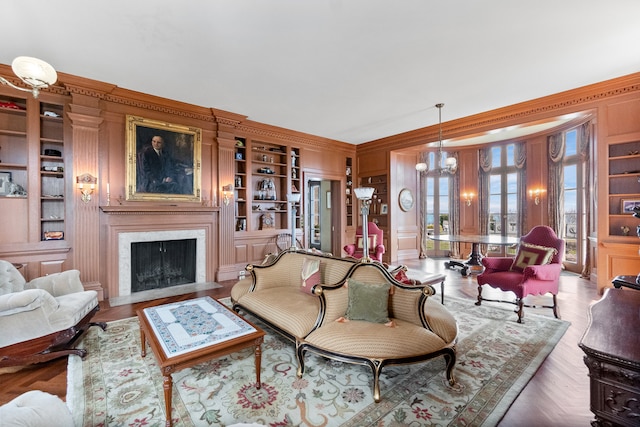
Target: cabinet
378 211
264 174
31 170
269 173
240 184
624 187
296 185
349 196
612 354
52 206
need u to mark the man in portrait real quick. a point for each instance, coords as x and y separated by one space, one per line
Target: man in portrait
158 172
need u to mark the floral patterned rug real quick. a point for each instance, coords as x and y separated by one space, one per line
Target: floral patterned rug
115 386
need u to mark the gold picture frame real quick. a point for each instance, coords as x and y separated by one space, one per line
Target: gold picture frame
171 173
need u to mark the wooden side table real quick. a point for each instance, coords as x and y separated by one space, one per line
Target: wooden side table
612 353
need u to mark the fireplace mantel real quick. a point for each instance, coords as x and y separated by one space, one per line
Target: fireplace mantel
158 209
145 219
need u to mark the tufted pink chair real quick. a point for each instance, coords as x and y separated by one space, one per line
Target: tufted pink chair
376 246
522 279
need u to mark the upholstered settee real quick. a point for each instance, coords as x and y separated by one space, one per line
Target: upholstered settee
348 310
41 319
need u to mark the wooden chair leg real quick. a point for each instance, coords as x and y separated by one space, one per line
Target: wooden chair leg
479 302
556 309
520 310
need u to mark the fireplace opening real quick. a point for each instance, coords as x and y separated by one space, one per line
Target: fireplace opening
162 264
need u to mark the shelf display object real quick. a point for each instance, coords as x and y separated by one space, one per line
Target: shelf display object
624 187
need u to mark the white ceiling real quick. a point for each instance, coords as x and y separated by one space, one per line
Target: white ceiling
350 70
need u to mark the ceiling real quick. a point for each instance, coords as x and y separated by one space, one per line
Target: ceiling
349 70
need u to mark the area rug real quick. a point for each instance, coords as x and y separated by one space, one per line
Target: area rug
115 386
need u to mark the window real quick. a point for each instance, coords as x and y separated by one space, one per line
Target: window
503 196
573 197
437 189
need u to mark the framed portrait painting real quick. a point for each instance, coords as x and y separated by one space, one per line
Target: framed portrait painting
163 161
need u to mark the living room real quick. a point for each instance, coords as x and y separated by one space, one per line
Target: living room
98 110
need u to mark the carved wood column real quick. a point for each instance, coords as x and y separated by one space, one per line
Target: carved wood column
227 124
85 124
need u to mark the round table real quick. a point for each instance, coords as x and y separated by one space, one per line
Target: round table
473 263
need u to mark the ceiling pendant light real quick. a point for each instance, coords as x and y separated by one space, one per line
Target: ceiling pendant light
34 72
450 164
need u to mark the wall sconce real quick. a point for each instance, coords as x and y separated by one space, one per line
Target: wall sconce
86 184
535 194
227 193
468 198
34 72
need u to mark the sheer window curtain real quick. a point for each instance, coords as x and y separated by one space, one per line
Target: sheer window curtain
521 167
555 184
484 170
584 135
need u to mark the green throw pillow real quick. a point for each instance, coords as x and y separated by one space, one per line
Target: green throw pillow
368 301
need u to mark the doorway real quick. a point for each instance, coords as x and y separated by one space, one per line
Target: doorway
323 215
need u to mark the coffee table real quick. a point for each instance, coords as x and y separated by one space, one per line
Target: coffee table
190 332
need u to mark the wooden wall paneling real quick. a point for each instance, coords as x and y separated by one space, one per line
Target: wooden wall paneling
537 172
85 122
623 117
403 240
226 254
469 178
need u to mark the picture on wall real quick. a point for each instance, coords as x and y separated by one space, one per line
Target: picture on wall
628 205
163 161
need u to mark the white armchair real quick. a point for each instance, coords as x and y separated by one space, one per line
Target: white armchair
42 319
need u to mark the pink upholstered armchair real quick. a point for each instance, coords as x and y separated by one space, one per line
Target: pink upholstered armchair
376 246
534 271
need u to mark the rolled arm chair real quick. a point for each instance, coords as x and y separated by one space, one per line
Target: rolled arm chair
534 271
376 246
40 320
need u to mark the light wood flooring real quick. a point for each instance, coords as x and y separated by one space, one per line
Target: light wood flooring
558 394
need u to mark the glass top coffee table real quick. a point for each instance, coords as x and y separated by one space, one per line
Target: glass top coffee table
187 333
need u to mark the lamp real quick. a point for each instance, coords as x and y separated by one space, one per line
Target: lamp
227 191
468 198
535 194
365 194
293 198
34 72
450 164
86 180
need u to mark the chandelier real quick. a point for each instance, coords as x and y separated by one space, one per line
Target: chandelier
450 164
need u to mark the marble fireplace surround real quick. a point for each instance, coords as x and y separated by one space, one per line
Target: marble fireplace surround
124 225
124 252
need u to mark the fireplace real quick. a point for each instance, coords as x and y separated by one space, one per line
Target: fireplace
162 264
157 259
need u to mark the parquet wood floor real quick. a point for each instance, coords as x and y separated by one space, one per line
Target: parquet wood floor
558 394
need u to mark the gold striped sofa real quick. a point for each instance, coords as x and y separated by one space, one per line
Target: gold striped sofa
419 327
